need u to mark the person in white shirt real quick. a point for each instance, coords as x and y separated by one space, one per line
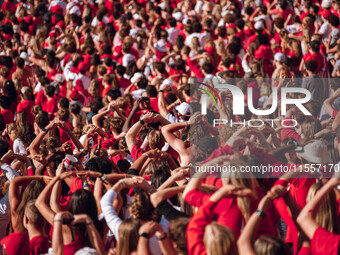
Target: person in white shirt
173 32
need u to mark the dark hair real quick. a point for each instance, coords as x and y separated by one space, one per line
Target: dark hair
99 164
5 102
42 119
311 65
82 201
49 89
64 102
4 147
120 70
208 68
333 20
172 22
114 93
151 91
75 109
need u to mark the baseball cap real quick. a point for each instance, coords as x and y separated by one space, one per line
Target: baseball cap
16 243
326 4
183 108
59 78
259 25
136 76
279 57
128 58
166 82
178 16
315 152
161 45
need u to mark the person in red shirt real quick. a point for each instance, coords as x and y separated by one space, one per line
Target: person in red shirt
107 83
314 54
26 104
151 92
34 223
323 241
51 104
5 104
120 71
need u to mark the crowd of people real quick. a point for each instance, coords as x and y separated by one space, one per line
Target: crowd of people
102 134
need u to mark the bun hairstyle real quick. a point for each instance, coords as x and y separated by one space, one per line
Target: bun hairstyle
142 208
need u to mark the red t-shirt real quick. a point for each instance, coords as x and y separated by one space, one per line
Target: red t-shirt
325 242
105 90
123 83
51 106
8 116
39 245
26 106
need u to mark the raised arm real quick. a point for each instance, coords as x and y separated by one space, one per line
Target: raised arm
42 201
306 218
246 239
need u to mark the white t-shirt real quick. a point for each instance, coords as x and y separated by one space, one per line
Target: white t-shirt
19 147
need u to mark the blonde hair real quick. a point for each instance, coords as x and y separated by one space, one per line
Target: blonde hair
327 216
271 245
220 240
128 236
237 179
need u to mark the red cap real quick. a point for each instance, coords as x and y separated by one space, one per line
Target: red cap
60 24
79 85
211 50
52 34
231 25
56 9
16 244
28 19
326 13
74 94
83 67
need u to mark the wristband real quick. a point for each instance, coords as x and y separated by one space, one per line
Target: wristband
261 213
162 91
103 178
142 122
58 220
44 130
86 185
145 235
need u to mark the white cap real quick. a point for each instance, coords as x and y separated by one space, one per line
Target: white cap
279 57
75 10
183 108
162 5
100 1
178 16
185 21
24 89
161 45
24 55
127 58
259 25
135 16
136 76
326 4
315 152
166 82
59 78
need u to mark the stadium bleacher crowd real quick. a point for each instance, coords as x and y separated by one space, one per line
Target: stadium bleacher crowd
102 134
